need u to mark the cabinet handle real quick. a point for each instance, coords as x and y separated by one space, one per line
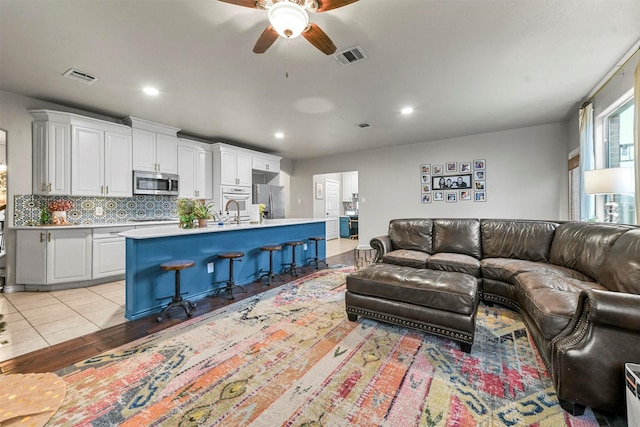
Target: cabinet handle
102 189
41 237
49 187
107 189
43 187
48 237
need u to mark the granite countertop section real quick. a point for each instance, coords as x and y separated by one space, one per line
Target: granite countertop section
165 230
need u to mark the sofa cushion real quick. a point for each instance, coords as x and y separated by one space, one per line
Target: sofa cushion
458 263
454 292
414 234
621 268
550 300
505 269
518 239
571 239
406 257
461 236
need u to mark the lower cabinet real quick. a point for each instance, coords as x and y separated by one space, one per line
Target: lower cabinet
49 257
109 252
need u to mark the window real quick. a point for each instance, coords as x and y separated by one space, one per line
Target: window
617 149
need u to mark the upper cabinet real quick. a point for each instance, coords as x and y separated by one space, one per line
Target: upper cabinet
155 146
349 185
101 160
80 156
51 153
195 168
266 163
231 166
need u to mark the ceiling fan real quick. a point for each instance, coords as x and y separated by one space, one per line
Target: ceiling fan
290 18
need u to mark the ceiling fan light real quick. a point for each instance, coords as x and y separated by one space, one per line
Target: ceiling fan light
288 19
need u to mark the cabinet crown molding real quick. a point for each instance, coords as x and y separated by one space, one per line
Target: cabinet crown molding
137 123
79 120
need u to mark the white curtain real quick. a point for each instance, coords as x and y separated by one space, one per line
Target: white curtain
587 160
636 130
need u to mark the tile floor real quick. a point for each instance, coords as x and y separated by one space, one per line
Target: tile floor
38 320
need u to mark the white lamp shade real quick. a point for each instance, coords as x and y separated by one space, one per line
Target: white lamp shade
288 19
609 181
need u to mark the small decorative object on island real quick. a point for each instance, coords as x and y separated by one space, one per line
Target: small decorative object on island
203 213
185 212
58 209
261 208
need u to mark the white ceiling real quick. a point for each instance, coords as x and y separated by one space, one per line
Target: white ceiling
466 66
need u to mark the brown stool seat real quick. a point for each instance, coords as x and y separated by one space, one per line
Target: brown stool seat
270 274
177 265
292 267
177 300
315 260
231 256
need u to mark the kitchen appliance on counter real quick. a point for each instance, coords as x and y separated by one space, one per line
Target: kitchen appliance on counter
155 183
272 196
241 195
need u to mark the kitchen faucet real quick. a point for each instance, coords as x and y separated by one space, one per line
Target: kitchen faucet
237 206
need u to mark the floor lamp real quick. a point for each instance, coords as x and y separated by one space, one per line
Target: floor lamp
609 181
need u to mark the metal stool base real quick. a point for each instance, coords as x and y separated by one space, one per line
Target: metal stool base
269 276
186 304
318 263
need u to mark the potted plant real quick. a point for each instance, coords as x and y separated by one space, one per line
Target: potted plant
185 212
203 212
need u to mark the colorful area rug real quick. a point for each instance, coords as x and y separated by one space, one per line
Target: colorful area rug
289 357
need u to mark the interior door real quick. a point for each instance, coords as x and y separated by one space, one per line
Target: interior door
332 208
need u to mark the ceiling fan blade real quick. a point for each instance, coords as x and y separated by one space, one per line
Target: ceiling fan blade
265 40
324 5
319 39
245 3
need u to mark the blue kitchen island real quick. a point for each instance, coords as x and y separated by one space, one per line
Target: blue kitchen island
149 289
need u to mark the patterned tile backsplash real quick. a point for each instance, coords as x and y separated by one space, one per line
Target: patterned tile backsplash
114 209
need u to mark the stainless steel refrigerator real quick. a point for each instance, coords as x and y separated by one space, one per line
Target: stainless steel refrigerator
272 196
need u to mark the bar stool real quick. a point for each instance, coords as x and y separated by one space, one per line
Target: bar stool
315 259
177 299
292 267
270 274
231 256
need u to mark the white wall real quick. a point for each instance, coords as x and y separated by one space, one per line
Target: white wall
526 178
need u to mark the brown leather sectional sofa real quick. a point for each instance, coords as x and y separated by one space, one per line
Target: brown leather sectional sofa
577 286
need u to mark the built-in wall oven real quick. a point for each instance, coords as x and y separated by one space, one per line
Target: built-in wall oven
242 196
155 183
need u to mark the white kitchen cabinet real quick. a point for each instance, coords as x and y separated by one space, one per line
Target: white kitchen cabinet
51 153
49 257
101 161
154 146
109 252
195 167
266 163
349 185
231 166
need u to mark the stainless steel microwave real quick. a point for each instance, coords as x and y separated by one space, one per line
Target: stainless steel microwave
155 183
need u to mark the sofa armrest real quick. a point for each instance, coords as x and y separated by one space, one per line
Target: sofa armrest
588 356
382 245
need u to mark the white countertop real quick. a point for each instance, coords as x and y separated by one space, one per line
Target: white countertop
173 230
94 225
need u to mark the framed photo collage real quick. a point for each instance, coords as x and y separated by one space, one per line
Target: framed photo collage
453 182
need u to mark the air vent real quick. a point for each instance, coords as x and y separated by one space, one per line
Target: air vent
351 55
80 76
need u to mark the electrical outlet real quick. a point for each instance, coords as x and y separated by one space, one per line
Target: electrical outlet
304 247
210 267
99 211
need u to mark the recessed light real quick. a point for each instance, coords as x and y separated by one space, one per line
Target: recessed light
407 110
279 135
152 91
